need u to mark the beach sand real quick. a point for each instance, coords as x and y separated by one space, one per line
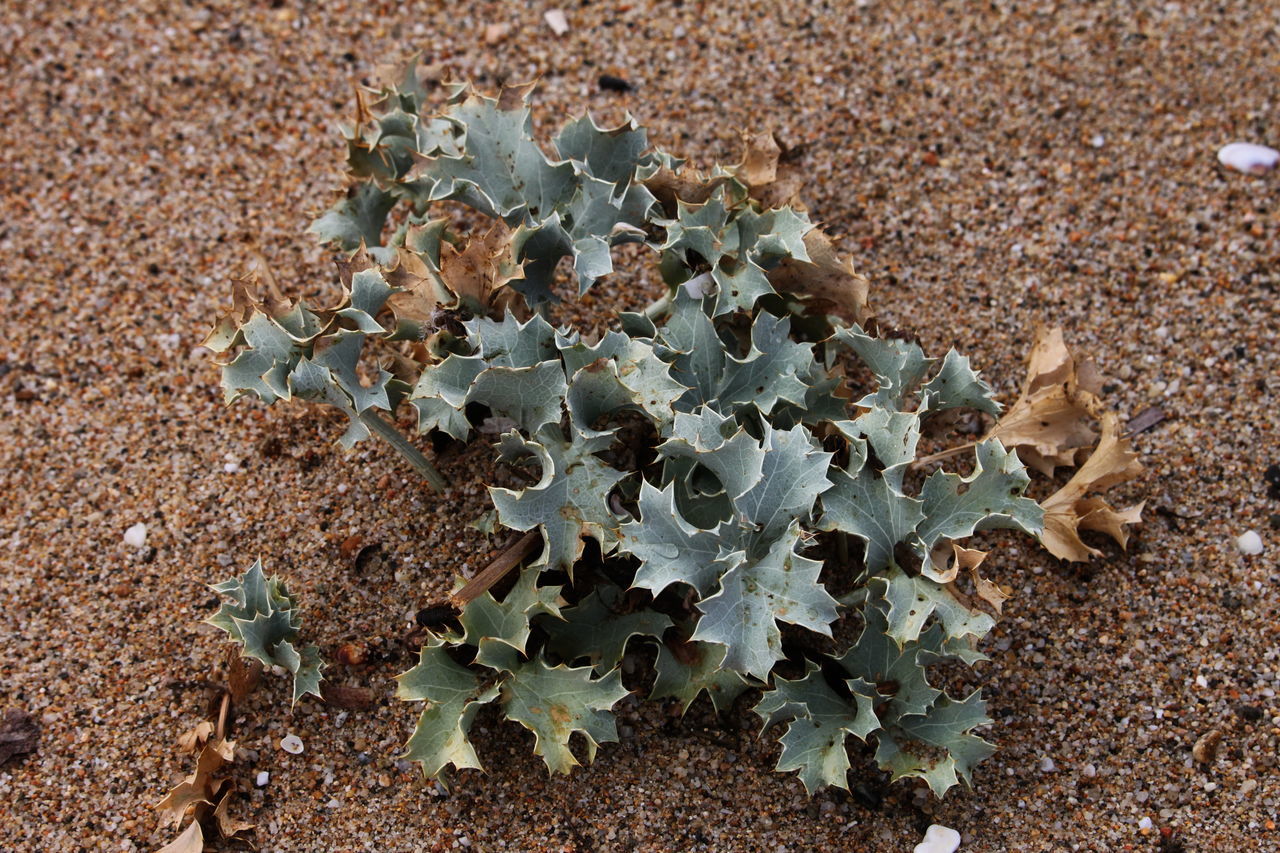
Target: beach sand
989 166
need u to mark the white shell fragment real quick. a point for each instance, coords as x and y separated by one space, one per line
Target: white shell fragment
1249 543
136 536
291 744
1248 158
262 779
557 21
939 839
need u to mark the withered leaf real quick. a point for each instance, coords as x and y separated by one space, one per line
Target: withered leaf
190 841
197 787
479 274
769 178
1049 424
243 675
687 186
229 826
194 739
18 734
827 278
1070 510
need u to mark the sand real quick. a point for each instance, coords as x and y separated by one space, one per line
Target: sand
989 166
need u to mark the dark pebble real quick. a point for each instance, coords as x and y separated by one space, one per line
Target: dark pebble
609 83
1272 476
1251 713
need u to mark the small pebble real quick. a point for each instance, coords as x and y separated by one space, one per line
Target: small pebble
939 839
1249 543
1206 748
231 467
1145 823
495 33
262 779
1090 771
291 744
1248 158
136 536
1047 765
557 21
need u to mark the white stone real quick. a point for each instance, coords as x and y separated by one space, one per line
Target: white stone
1090 771
1145 823
136 536
291 744
1047 765
557 21
1248 158
1249 543
231 467
939 839
262 779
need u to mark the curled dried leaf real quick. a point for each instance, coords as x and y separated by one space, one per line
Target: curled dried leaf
228 826
196 738
199 787
770 179
1070 509
827 279
190 841
1049 425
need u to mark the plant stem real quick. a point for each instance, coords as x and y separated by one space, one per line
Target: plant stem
659 306
392 436
498 569
942 454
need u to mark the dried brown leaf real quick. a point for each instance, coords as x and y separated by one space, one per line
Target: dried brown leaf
828 279
1049 424
197 787
479 274
688 186
1070 510
769 177
194 739
190 841
18 734
228 826
243 675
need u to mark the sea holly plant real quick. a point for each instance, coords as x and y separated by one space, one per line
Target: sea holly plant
728 484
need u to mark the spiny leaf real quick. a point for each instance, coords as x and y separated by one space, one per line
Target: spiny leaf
670 549
990 497
568 502
898 365
912 600
555 702
814 741
957 384
263 619
950 752
598 628
755 595
693 668
454 694
500 629
356 219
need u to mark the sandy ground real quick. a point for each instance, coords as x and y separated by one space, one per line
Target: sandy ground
990 166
